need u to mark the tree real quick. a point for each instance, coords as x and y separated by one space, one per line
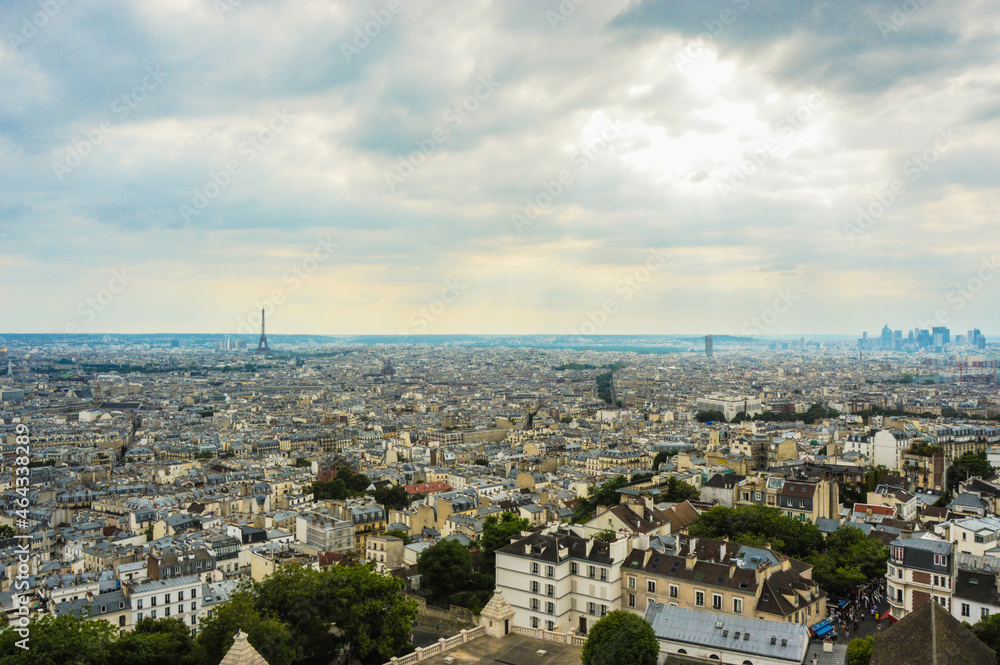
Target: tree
621 638
445 567
987 630
392 496
850 559
498 532
481 461
375 616
710 416
155 642
59 640
756 525
269 636
604 386
606 536
859 651
967 466
679 490
302 462
401 535
303 600
662 457
7 532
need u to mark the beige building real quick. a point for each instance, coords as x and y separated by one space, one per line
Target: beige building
719 576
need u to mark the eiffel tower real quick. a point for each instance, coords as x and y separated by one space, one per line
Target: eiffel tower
262 346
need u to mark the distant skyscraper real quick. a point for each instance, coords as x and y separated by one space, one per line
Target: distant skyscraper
886 338
709 342
945 335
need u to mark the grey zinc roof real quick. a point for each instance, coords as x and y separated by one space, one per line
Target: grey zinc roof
935 546
718 631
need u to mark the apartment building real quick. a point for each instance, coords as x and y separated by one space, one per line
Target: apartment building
559 580
972 535
175 597
720 576
385 551
797 494
919 570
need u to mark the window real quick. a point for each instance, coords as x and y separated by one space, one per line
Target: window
550 608
549 625
534 622
631 600
940 559
152 601
716 602
965 609
550 591
138 604
651 586
550 571
194 606
737 606
166 598
591 608
746 496
604 574
166 612
103 609
153 614
180 595
194 619
699 598
534 567
985 612
534 604
604 610
194 593
631 582
140 616
573 568
534 586
673 590
591 572
897 554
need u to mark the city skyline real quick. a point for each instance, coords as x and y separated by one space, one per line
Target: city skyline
728 168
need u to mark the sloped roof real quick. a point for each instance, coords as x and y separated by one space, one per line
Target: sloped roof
242 653
930 635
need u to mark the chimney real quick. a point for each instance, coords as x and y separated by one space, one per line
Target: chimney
732 570
722 552
590 545
689 561
692 542
648 554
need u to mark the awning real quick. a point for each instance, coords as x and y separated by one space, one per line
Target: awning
888 615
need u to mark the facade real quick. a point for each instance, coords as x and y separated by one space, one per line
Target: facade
919 570
324 532
385 551
176 597
722 577
730 406
558 580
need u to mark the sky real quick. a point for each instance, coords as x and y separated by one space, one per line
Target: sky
720 167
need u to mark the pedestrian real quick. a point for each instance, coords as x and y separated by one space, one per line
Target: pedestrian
855 626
